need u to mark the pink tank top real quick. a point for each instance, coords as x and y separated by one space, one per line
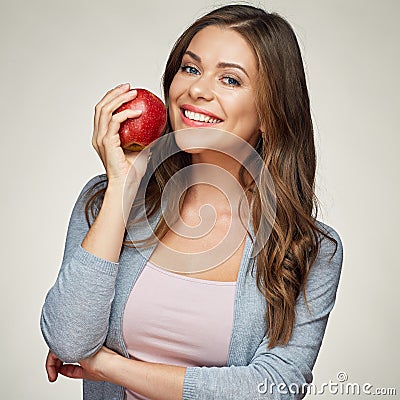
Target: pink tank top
178 320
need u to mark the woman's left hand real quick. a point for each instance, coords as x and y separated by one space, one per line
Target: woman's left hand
152 380
89 368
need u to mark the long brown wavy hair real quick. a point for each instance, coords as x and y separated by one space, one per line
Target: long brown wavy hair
287 149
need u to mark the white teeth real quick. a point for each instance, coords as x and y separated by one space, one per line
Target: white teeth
200 117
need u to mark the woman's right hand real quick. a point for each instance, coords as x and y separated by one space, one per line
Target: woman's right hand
119 164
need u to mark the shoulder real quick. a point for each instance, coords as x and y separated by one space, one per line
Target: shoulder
326 269
92 186
97 181
330 242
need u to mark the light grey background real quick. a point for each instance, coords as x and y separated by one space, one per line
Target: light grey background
58 58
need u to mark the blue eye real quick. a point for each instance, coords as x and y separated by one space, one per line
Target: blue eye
231 81
190 70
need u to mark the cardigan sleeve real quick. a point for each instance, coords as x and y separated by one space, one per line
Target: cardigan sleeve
75 314
280 372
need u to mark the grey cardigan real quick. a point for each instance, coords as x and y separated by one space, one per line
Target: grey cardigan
84 309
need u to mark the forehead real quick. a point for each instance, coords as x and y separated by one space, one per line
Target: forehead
215 44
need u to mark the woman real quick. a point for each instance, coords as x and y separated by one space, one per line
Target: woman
251 326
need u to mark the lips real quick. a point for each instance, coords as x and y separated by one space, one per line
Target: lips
195 116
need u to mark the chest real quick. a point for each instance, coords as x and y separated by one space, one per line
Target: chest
249 307
210 250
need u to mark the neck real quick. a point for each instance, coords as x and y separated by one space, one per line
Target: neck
214 179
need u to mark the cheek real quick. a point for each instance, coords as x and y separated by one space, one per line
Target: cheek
246 121
172 90
173 96
249 110
242 108
176 88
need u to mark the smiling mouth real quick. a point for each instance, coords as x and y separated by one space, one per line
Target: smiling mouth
200 117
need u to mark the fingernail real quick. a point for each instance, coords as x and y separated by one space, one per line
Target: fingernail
123 84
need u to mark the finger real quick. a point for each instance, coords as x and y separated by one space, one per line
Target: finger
125 114
106 116
108 109
110 104
120 89
71 371
53 364
120 117
124 87
111 137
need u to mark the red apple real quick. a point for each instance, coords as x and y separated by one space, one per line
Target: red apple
136 133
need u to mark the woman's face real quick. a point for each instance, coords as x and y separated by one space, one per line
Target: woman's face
215 86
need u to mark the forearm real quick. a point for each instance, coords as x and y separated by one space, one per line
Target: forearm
104 238
155 381
76 312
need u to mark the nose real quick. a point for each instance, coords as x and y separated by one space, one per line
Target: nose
201 88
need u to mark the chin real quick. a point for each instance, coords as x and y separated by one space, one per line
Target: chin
201 140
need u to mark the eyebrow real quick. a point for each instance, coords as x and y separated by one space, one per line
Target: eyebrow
219 65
